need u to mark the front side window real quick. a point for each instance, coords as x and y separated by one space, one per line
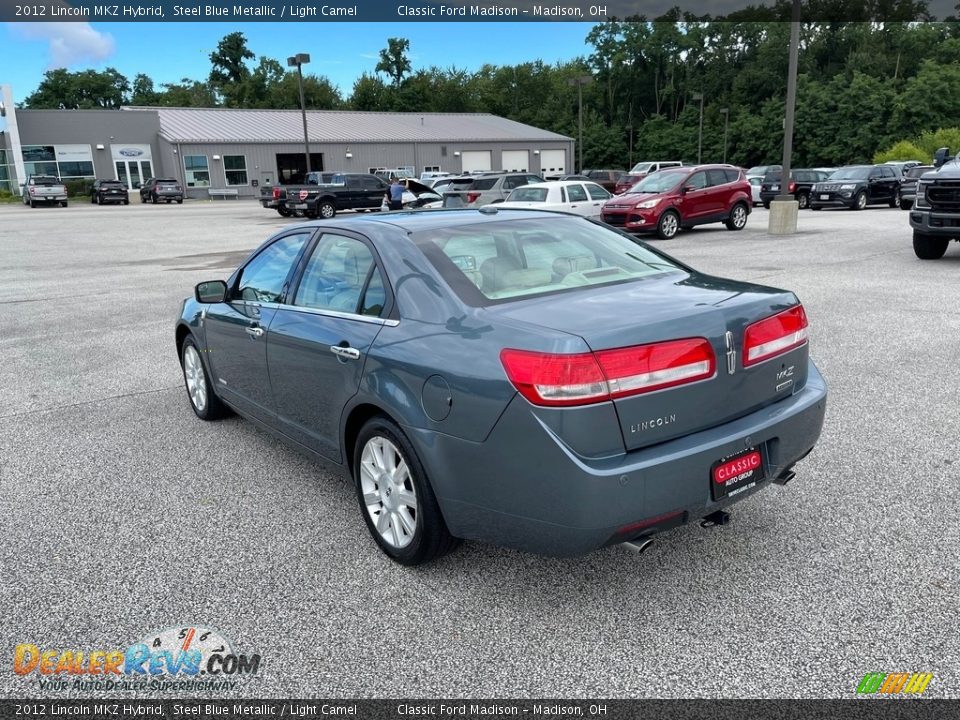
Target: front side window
597 192
235 169
196 170
263 278
500 261
337 276
697 181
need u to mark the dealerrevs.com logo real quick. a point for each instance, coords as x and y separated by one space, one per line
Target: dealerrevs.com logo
894 683
176 658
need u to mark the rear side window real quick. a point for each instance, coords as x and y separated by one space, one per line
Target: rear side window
529 194
732 175
487 184
576 193
716 177
336 276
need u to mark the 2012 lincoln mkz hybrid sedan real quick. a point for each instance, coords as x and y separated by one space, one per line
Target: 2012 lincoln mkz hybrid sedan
531 379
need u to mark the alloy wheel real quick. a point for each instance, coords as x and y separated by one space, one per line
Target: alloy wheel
196 378
388 492
739 216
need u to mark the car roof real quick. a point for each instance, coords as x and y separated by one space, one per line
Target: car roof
416 220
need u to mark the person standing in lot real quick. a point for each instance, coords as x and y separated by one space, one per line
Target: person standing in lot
396 195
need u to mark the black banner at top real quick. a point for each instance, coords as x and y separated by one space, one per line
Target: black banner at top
470 10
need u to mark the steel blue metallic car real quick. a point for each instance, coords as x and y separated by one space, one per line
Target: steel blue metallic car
531 379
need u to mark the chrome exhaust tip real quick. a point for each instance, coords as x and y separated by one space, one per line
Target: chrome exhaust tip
639 545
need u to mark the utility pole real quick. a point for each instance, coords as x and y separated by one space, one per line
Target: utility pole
580 82
298 61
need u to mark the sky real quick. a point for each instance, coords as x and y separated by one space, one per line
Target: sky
168 52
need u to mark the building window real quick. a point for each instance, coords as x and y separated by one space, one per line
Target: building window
235 169
431 168
41 168
197 171
76 169
38 153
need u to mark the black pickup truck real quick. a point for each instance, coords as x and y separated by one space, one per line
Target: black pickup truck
325 194
274 197
935 215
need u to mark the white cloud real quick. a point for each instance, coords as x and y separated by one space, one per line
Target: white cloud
70 43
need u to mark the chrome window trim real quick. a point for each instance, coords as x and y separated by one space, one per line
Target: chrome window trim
323 313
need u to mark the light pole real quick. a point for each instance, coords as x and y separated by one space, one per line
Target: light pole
699 96
783 209
298 61
726 122
580 82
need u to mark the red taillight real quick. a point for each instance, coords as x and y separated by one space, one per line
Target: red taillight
472 197
792 187
276 193
774 336
583 378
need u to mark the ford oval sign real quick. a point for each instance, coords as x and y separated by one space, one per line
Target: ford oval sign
131 152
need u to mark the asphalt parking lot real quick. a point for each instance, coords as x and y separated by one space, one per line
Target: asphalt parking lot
122 513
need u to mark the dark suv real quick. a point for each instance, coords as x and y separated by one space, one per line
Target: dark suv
108 191
669 200
856 186
607 179
166 190
800 183
908 185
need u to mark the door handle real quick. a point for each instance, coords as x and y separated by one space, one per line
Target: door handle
255 331
348 353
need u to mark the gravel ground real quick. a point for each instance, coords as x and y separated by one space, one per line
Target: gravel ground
123 514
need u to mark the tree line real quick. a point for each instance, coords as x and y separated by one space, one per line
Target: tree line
861 88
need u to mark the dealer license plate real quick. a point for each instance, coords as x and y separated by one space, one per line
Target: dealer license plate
774 187
824 197
736 473
297 206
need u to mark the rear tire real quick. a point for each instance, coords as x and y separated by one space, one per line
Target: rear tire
63 204
929 247
894 201
905 204
326 210
203 400
803 201
766 206
180 201
396 500
127 201
284 212
668 225
738 217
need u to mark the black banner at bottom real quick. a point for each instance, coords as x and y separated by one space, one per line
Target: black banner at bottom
866 708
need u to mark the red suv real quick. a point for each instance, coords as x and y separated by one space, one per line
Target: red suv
669 200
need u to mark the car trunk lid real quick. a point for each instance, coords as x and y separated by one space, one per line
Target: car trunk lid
671 307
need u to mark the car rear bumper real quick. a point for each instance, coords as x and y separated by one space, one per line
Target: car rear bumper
548 500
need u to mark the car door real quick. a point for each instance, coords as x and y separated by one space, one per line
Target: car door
373 191
598 196
319 340
577 200
876 190
696 200
891 182
236 330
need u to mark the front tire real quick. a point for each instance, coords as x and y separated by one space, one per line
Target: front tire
905 204
860 201
929 247
204 402
738 217
668 225
396 500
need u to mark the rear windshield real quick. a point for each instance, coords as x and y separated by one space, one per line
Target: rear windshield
851 173
641 167
45 180
659 182
166 181
112 183
492 262
529 194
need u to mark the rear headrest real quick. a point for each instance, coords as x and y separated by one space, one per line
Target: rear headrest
526 278
573 263
494 269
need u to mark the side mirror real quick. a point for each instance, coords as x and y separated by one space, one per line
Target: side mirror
212 291
941 156
686 188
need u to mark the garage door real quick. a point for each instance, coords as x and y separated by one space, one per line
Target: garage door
553 162
475 160
516 160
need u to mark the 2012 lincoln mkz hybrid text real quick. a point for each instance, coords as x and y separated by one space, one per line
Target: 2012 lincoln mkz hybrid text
526 378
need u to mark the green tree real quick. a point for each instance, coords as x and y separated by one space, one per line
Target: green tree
369 93
82 90
394 62
229 71
143 92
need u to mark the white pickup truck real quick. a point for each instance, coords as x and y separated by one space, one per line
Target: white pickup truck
44 189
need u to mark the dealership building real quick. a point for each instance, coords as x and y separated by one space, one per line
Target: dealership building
211 150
